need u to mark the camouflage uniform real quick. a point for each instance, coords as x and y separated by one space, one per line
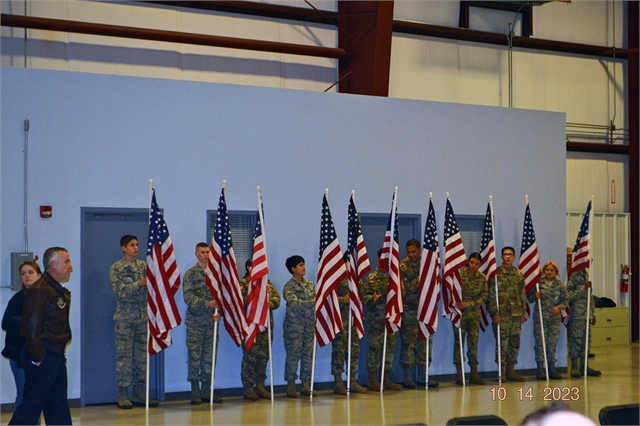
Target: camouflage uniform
413 350
130 320
199 323
474 291
254 361
299 329
578 310
377 282
552 293
339 352
512 306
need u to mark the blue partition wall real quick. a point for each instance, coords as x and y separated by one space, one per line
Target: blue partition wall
96 140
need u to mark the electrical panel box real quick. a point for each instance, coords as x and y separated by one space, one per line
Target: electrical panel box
16 261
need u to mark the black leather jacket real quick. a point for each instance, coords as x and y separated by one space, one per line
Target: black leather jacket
45 317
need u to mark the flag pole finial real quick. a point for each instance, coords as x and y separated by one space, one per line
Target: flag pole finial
224 185
448 198
490 198
431 195
526 198
326 192
353 192
395 191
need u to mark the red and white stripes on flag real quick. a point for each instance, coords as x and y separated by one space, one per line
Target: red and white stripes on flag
331 271
454 259
529 261
395 305
257 297
429 286
357 267
222 276
488 266
581 256
163 281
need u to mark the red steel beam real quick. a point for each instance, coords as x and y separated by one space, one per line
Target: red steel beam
485 37
602 148
168 36
365 31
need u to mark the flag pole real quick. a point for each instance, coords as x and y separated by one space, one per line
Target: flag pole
461 355
313 361
586 340
353 196
426 349
215 340
264 239
544 342
495 280
384 355
148 330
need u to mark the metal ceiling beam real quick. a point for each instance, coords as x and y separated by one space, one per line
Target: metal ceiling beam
265 10
168 36
365 31
485 37
601 148
428 30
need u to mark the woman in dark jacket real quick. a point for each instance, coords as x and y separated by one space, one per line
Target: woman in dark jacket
29 274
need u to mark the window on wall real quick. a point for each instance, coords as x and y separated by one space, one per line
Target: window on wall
242 223
471 228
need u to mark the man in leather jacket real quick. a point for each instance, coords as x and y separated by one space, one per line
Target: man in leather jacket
45 325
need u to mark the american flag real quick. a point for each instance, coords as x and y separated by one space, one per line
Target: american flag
395 305
488 266
257 298
454 259
331 271
429 286
358 267
529 261
163 280
581 256
222 276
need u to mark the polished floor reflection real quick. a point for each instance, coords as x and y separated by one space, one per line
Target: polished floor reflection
619 384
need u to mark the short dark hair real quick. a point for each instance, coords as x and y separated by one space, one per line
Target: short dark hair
475 255
124 241
50 254
413 243
508 248
293 261
201 244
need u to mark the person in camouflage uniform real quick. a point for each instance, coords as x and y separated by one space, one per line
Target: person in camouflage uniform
129 282
200 316
299 327
413 349
339 346
553 298
510 314
577 288
474 295
374 297
254 361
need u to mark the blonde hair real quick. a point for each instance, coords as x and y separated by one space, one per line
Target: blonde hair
554 265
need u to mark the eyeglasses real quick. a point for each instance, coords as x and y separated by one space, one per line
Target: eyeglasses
508 255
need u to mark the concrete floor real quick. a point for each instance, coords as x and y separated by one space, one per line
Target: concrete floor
619 384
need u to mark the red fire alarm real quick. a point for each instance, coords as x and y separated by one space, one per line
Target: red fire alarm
46 212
